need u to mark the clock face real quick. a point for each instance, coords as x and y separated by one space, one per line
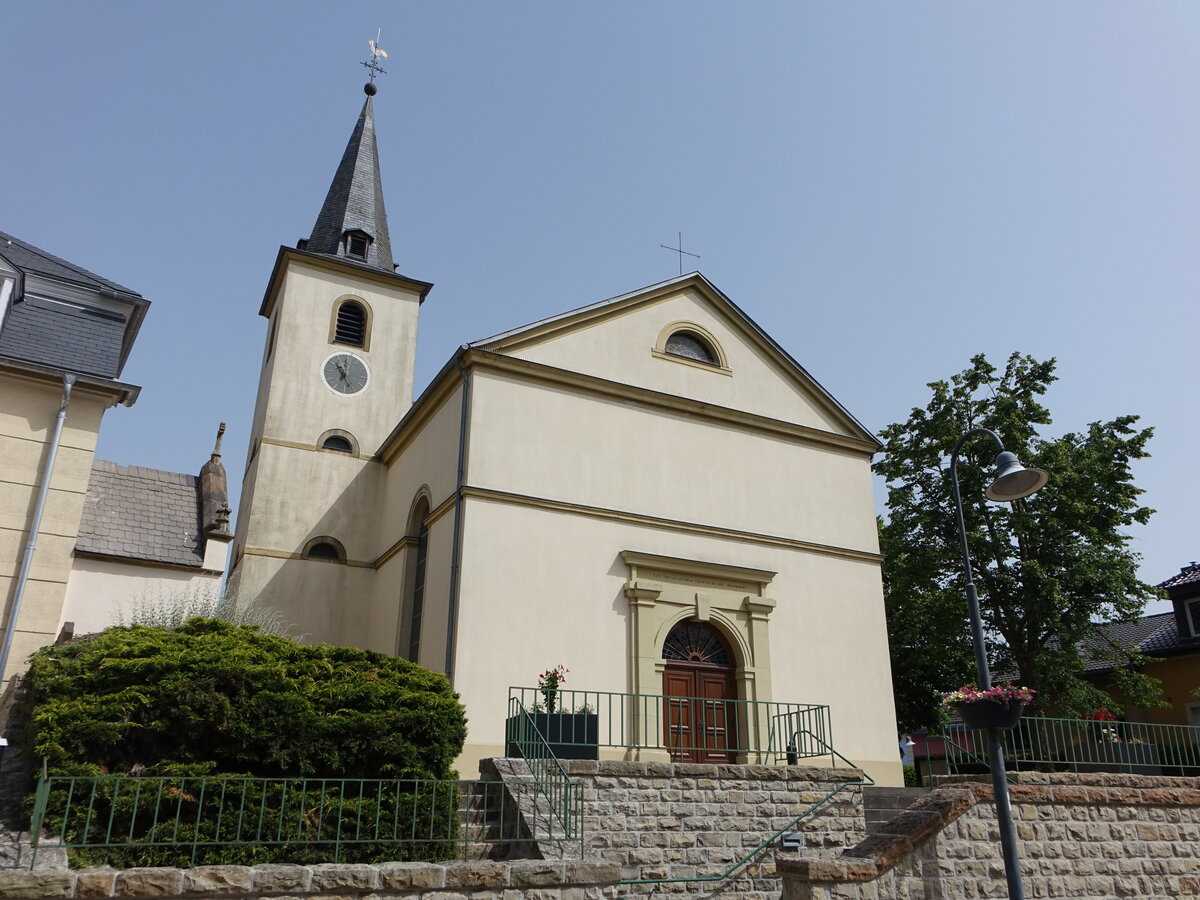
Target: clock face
345 373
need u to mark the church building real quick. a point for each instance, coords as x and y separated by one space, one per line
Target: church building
648 490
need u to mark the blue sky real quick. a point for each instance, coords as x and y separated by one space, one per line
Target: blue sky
886 188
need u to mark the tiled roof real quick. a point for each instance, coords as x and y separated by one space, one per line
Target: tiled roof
132 512
1187 575
1149 634
63 335
29 258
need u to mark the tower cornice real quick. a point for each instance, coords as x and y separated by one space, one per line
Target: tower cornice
340 266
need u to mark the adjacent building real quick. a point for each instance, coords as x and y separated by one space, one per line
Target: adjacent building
79 535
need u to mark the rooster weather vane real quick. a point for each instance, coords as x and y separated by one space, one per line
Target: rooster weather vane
372 64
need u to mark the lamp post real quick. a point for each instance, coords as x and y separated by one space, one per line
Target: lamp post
1012 481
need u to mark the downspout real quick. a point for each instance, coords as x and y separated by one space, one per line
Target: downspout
456 549
35 524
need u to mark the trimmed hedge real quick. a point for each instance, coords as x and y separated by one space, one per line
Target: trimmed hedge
211 698
136 698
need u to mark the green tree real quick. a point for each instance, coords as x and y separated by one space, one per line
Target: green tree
1049 568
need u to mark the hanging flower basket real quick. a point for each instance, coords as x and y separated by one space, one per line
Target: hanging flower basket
997 707
979 714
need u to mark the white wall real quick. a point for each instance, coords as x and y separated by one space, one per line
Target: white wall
101 592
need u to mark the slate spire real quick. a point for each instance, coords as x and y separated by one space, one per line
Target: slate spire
353 223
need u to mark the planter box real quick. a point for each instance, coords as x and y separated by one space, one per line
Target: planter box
980 714
570 735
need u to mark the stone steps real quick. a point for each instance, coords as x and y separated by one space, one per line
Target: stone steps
16 853
882 804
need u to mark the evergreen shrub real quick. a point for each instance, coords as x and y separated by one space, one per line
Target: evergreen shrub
210 698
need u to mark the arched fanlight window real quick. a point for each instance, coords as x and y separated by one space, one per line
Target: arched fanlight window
690 345
696 642
351 325
324 548
339 441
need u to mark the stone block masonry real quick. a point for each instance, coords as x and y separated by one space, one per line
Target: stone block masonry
1101 837
661 820
525 880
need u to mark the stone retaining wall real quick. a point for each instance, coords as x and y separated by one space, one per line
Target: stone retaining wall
1093 836
687 820
525 880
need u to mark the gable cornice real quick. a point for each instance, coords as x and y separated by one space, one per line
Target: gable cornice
734 315
443 385
659 400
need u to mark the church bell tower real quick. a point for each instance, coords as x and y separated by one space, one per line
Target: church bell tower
336 377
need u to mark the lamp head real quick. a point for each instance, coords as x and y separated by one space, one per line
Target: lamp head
1013 481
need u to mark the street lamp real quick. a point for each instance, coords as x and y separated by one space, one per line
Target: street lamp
1011 481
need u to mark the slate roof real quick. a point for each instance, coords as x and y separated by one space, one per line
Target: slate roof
355 199
49 331
64 336
1187 575
29 258
132 512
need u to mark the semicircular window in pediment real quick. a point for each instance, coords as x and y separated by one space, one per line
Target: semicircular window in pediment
690 346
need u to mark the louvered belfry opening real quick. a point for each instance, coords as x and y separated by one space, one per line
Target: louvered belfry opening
351 325
356 245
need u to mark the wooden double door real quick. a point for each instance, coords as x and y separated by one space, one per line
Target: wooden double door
700 695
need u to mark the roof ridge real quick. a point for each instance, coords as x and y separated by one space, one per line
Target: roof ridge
58 260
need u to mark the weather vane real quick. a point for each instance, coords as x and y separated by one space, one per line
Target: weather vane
682 253
372 64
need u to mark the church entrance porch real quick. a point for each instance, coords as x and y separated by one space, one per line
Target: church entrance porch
701 724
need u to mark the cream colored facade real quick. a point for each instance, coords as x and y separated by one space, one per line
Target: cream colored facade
28 408
586 490
61 323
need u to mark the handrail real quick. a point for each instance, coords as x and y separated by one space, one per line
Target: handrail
865 781
550 779
952 761
162 820
1091 745
751 730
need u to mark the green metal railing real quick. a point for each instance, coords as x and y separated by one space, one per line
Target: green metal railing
1081 745
684 727
556 812
182 821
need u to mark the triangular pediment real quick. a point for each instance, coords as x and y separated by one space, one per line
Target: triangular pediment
624 339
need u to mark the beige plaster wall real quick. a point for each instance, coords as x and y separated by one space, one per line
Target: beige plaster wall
554 444
304 493
428 463
322 601
619 349
563 579
102 592
27 413
292 491
299 406
427 467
